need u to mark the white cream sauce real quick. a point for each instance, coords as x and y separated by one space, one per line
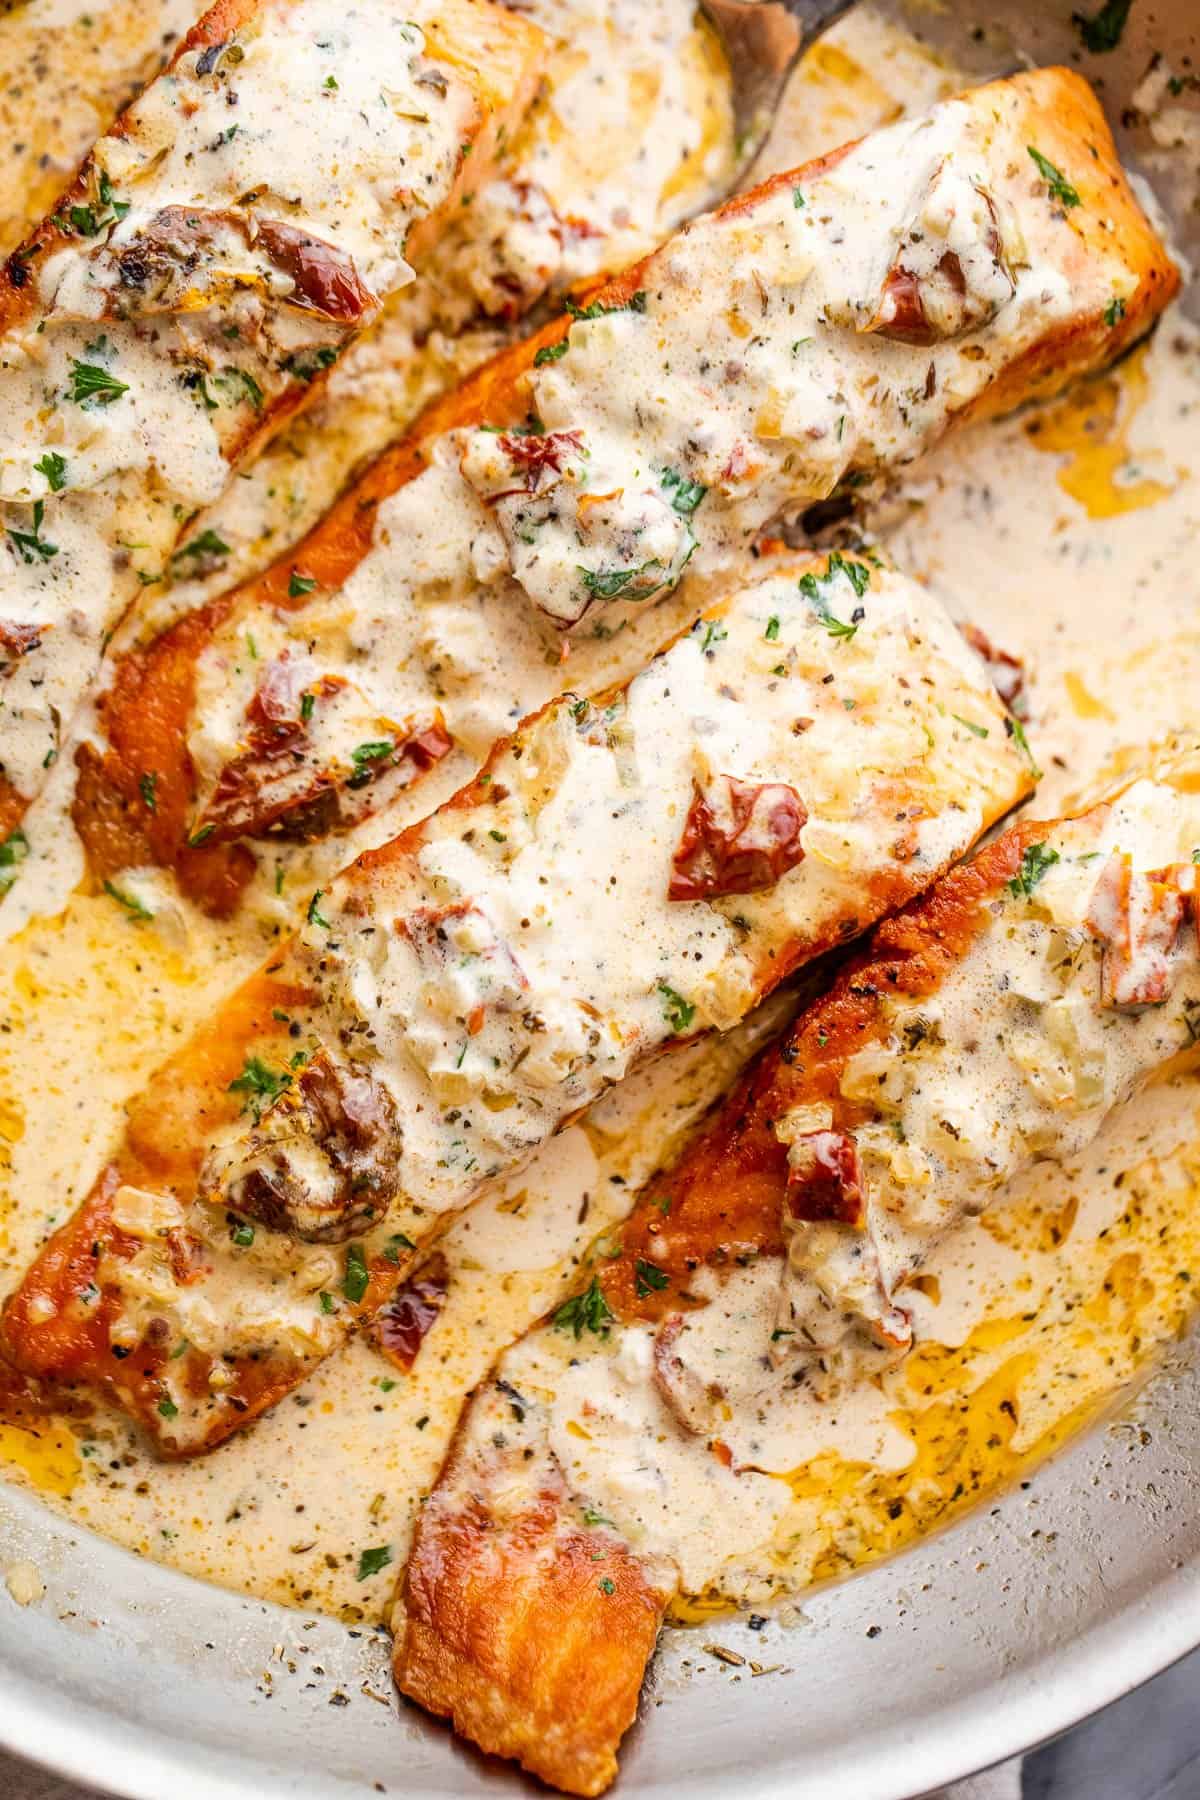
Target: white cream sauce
177 317
1076 548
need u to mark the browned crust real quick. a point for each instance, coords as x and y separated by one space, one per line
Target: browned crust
499 56
724 1199
484 1598
530 1633
147 713
165 1141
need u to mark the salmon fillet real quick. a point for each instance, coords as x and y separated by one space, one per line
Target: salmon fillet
754 361
802 1212
624 873
243 219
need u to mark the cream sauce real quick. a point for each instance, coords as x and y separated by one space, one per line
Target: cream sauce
183 309
564 211
527 950
1099 597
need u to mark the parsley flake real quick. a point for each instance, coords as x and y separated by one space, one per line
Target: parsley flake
92 385
133 906
648 1278
859 577
1034 863
599 309
32 544
54 468
1060 188
357 1277
208 543
588 1311
1102 31
371 1561
13 851
685 495
258 1085
979 731
677 1011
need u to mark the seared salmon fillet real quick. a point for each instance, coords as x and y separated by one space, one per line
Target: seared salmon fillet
1062 965
824 328
625 872
242 220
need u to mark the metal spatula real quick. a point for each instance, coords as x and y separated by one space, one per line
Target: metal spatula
764 40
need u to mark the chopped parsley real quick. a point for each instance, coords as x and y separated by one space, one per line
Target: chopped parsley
1034 863
108 200
253 392
798 200
54 468
315 915
1060 188
148 788
200 837
13 850
357 1277
677 1011
714 634
371 1561
133 906
979 731
772 632
82 219
241 1233
92 385
258 1085
1016 732
608 1586
168 1409
363 755
599 309
606 584
299 584
648 1278
32 544
551 353
327 1301
307 365
1114 312
592 1517
1102 31
588 1311
685 495
859 577
396 1243
208 543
